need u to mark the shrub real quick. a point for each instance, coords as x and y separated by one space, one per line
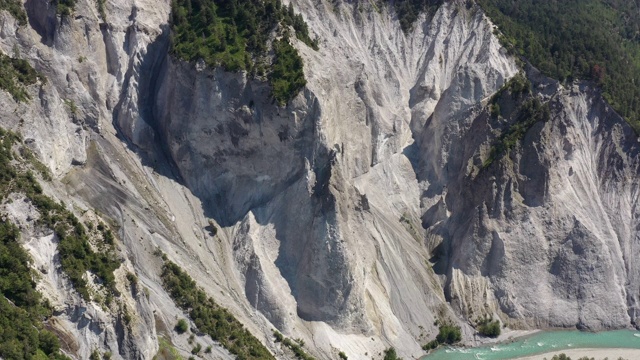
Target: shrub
213 228
14 7
95 355
15 75
126 315
182 326
295 346
494 110
278 336
431 345
102 10
390 354
132 278
489 328
71 105
65 7
449 334
342 355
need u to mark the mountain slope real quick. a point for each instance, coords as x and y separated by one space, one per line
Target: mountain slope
396 189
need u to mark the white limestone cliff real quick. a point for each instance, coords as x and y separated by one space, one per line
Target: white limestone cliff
354 217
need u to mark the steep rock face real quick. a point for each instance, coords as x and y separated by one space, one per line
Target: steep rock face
67 124
362 210
560 205
52 115
321 195
396 135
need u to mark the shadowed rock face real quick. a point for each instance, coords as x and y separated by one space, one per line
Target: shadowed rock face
232 146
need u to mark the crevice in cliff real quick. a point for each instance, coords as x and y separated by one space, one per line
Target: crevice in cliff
42 18
134 109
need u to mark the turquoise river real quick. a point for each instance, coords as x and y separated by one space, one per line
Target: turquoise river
540 343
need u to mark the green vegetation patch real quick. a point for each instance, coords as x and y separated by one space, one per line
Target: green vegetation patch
564 356
65 7
14 7
525 110
77 257
182 326
23 335
237 36
287 77
409 10
295 346
102 9
209 317
447 334
166 351
15 75
489 328
530 112
516 87
22 309
596 40
76 254
390 354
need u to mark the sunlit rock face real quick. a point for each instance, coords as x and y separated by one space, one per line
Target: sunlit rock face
355 216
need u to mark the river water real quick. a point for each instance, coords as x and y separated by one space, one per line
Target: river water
542 342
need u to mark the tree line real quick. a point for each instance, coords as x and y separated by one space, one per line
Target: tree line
597 40
239 36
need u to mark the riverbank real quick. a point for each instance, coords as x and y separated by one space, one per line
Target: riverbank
612 344
598 354
506 337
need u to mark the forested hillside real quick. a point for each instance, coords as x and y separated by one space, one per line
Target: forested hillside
595 40
409 10
237 35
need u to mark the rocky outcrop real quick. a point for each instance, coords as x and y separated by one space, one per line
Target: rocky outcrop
67 124
559 205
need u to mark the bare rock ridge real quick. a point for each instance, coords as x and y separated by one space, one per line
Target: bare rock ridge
354 217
